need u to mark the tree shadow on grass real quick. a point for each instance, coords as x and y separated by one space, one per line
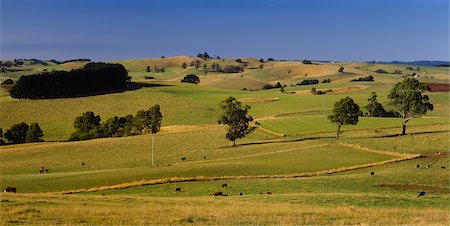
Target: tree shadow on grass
400 135
280 141
131 86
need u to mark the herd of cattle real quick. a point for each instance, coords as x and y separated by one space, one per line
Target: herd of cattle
223 186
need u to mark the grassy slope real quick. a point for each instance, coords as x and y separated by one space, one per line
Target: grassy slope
345 198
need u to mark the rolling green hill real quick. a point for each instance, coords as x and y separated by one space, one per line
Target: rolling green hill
292 154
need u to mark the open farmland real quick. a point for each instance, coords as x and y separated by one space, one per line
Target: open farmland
293 153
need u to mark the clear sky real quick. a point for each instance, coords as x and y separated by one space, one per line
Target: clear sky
356 30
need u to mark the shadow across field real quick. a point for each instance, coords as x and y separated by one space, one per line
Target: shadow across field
282 141
399 135
130 87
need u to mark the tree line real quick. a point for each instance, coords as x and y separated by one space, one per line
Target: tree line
22 133
89 126
93 77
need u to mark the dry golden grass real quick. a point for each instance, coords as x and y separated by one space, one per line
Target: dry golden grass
139 210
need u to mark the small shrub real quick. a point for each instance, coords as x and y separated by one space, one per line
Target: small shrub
308 82
8 82
191 79
381 71
307 62
363 79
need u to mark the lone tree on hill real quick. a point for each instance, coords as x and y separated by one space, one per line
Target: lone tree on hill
407 100
184 65
341 69
235 116
345 112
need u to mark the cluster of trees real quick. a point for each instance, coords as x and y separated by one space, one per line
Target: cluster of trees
156 69
406 99
363 79
381 71
89 126
308 82
191 78
230 69
341 70
93 77
307 62
314 91
204 55
412 69
326 80
376 109
276 86
22 133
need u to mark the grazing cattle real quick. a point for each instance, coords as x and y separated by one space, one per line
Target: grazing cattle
83 163
428 166
46 170
269 193
10 189
177 189
422 193
223 186
41 171
260 193
443 167
417 166
372 173
219 193
204 157
240 193
183 159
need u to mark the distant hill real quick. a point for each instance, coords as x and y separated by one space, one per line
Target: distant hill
418 63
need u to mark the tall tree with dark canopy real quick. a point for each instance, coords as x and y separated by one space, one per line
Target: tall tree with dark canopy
407 100
34 133
155 118
17 134
236 117
345 112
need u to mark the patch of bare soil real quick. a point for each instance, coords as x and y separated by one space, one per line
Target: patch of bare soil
439 87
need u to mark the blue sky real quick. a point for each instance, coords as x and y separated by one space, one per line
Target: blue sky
356 30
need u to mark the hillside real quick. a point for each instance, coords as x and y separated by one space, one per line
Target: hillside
290 170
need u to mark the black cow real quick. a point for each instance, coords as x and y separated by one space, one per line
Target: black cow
219 193
10 189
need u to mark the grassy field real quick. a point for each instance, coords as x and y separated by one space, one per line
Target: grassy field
313 178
